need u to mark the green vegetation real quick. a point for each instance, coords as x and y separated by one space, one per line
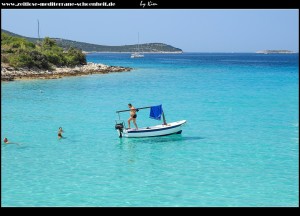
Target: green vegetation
87 47
149 47
20 53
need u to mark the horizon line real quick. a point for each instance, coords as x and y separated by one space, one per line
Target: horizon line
294 52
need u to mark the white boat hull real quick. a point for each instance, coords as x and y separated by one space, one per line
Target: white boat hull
137 55
158 130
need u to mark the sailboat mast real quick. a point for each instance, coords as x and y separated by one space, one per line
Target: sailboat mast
38 22
138 42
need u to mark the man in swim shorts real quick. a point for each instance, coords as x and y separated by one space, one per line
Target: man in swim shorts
132 116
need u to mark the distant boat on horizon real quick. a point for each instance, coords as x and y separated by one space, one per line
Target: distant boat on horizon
137 54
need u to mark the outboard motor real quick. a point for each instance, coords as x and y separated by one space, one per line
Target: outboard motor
119 127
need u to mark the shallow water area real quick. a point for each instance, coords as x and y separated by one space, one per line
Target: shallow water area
240 146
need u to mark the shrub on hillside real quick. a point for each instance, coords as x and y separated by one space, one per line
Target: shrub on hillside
19 53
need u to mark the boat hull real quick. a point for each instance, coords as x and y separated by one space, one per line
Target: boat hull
158 130
135 55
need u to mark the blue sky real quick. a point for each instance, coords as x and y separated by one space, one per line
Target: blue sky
196 30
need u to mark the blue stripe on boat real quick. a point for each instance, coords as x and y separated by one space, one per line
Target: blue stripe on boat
179 132
145 131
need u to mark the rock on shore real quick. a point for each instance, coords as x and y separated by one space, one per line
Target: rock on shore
9 73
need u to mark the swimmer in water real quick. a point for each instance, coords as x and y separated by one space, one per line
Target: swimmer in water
7 142
59 134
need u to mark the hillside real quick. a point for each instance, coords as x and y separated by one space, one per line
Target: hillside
46 54
44 59
87 47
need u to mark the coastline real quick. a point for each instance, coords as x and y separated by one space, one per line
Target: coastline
89 52
10 74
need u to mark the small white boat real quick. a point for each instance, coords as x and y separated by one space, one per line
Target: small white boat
137 54
158 130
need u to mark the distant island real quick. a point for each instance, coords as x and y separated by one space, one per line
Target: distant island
87 47
275 52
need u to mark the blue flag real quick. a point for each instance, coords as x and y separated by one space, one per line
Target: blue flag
156 112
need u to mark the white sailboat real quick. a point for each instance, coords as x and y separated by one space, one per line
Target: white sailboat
137 54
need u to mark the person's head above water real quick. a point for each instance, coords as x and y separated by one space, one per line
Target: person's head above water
5 140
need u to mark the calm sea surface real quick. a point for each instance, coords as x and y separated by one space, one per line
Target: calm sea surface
240 146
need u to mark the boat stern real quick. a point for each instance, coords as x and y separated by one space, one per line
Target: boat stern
120 127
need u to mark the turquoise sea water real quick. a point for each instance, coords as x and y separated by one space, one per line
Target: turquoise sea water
240 146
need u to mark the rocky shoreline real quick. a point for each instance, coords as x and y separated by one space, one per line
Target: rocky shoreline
9 73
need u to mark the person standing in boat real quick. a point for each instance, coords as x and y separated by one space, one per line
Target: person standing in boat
132 116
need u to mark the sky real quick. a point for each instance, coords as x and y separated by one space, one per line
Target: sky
192 30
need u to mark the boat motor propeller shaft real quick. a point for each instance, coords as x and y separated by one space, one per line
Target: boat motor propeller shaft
119 127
